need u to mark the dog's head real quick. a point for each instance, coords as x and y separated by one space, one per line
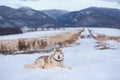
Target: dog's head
58 55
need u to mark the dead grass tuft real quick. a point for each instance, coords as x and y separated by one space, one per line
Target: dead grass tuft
34 44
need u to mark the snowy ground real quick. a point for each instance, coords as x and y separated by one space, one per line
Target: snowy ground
87 63
107 31
36 34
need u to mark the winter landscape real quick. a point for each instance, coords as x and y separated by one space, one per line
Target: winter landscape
59 39
87 61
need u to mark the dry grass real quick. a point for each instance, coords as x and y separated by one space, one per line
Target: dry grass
34 44
103 38
64 39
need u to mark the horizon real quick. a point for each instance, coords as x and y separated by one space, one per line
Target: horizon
68 5
58 9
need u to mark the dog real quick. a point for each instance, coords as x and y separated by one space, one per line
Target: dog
52 61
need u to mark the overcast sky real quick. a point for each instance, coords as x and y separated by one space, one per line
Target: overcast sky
70 5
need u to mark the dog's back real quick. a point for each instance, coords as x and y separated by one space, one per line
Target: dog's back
40 62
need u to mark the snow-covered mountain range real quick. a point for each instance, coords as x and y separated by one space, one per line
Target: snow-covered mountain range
30 18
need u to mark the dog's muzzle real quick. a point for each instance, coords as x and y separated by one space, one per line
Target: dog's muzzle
59 57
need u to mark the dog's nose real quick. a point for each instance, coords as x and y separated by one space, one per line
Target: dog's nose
58 57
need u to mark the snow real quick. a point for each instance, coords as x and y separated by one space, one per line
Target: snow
107 31
1 18
75 20
37 34
113 44
86 62
30 12
44 16
47 25
88 12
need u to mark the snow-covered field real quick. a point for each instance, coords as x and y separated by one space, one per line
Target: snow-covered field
86 62
107 31
37 34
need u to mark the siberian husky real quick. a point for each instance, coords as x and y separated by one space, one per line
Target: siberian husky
52 61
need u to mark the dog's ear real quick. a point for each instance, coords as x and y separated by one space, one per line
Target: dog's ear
54 49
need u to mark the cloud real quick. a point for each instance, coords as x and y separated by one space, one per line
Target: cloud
118 1
29 0
61 4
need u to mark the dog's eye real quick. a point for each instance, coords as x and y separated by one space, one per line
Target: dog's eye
61 55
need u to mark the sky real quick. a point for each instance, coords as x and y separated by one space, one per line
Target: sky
70 5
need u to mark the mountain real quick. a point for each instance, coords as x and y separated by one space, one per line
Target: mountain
54 13
22 17
92 17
